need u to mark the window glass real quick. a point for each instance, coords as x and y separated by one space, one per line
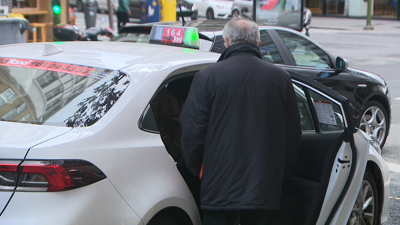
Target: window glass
166 106
306 121
6 96
219 44
304 52
72 96
268 49
133 37
329 113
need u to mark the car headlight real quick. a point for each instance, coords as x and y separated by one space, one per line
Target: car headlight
194 7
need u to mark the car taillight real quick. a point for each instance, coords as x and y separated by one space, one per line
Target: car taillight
48 175
8 175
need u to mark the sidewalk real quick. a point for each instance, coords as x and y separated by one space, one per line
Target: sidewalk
317 22
352 24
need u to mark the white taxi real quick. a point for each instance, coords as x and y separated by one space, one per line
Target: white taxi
82 140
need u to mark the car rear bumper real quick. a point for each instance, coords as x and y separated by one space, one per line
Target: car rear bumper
98 203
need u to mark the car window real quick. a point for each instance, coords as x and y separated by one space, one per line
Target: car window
306 121
167 103
329 113
268 49
218 46
304 52
132 37
57 94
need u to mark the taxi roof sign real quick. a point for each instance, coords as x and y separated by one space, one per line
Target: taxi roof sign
175 36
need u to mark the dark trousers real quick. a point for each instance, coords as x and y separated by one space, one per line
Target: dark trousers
236 217
123 18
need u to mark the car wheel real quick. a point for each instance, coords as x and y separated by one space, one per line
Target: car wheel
79 6
193 17
374 122
162 220
235 13
210 14
365 210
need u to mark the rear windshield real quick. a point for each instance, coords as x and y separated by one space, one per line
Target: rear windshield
57 94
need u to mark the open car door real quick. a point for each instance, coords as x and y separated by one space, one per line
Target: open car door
327 155
327 158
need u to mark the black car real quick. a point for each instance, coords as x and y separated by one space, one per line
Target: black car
368 93
186 9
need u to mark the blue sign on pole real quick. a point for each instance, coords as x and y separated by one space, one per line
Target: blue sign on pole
149 11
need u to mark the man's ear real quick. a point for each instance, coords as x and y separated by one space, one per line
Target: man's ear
259 43
226 43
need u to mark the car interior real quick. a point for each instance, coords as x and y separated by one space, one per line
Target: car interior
302 197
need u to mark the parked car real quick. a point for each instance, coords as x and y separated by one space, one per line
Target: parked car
81 140
214 9
102 5
368 93
186 9
245 8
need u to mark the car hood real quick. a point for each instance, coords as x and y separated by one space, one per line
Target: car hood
367 76
17 138
224 3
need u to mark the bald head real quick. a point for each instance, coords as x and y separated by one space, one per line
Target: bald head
240 30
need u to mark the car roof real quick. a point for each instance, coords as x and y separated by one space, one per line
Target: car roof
110 55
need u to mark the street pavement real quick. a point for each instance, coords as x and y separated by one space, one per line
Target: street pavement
318 24
351 24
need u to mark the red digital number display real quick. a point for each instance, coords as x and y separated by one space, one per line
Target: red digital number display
173 35
43 65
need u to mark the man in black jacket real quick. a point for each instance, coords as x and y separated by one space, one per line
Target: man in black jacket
240 126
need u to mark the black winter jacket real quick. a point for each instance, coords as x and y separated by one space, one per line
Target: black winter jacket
241 119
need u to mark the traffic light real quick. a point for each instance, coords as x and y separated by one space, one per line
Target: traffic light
56 8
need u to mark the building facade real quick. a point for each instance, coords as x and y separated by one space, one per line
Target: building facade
385 9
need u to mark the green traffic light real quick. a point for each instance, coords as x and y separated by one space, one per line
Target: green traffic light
56 9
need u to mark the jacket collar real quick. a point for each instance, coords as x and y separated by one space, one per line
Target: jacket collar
239 48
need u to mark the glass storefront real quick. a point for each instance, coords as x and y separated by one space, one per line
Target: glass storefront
385 8
353 8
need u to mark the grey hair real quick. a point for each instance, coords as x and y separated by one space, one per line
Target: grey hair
240 29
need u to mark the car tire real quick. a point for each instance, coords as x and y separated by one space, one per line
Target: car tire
365 209
162 220
193 17
210 14
374 122
235 13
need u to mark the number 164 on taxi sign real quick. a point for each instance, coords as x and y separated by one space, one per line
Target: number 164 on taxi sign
173 35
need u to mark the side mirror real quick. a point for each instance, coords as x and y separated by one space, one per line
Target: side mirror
340 65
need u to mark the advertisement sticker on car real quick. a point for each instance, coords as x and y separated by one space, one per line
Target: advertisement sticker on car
325 112
44 65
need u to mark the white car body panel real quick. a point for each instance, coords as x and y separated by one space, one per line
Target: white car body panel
98 203
337 181
365 152
114 56
17 138
141 178
222 9
120 149
4 198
